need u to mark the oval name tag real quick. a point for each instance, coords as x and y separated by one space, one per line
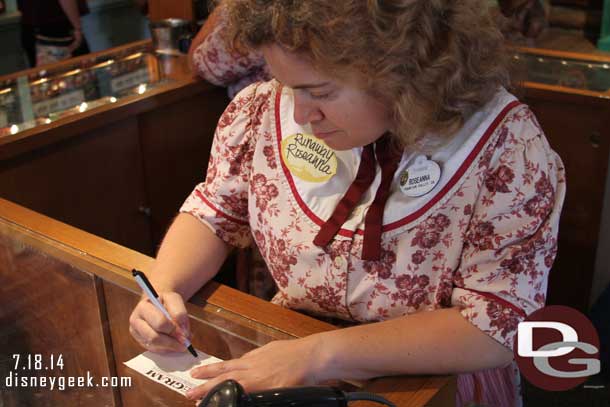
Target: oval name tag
309 158
420 177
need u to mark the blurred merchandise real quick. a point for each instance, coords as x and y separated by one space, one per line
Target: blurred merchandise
170 34
74 88
551 68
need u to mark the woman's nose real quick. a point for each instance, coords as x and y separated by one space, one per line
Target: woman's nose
305 111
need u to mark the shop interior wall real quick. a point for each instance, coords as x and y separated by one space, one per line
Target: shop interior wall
601 279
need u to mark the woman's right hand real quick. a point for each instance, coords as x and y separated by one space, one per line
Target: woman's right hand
151 329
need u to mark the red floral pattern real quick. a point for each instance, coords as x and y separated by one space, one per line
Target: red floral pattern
494 229
485 248
214 62
499 180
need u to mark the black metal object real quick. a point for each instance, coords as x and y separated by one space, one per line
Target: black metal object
231 394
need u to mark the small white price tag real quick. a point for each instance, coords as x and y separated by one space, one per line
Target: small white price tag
420 177
3 118
59 103
129 80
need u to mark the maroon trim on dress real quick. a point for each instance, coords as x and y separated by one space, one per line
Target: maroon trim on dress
218 211
364 179
388 158
495 298
410 218
295 194
459 173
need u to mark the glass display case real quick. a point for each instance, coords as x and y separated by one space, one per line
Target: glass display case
44 96
565 69
69 293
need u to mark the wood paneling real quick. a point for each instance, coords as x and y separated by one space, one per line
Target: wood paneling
176 143
49 308
93 181
160 9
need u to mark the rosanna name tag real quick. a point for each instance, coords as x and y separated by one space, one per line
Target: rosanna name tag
309 158
420 177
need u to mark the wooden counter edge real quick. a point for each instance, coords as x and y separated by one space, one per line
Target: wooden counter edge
124 259
563 54
74 61
98 251
71 126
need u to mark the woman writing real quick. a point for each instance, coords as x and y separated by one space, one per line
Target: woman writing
388 179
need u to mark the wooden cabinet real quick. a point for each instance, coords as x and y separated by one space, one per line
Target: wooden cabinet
65 291
50 312
94 181
120 171
176 143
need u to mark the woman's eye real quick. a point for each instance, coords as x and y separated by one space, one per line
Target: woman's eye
318 96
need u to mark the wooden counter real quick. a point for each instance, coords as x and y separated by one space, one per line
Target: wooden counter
121 170
65 291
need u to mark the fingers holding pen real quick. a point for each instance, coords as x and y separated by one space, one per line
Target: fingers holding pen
154 331
153 340
156 319
174 304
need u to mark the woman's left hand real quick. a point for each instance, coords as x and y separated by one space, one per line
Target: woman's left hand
277 364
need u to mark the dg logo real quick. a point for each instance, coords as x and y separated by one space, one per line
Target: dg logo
557 348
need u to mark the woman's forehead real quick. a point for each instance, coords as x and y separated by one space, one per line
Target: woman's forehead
295 70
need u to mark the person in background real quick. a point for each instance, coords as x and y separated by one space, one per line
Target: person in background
389 180
230 69
235 71
51 30
526 18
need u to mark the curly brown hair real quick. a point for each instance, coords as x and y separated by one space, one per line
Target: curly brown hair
434 61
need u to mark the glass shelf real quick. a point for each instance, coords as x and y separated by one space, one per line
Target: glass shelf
49 95
567 72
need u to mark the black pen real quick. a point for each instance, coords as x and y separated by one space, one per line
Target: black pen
154 298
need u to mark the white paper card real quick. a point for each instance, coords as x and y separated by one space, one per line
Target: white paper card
129 80
171 369
59 103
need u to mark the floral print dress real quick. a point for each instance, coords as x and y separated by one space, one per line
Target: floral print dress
483 240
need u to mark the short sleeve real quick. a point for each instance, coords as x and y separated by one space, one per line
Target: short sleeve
221 202
218 64
511 241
